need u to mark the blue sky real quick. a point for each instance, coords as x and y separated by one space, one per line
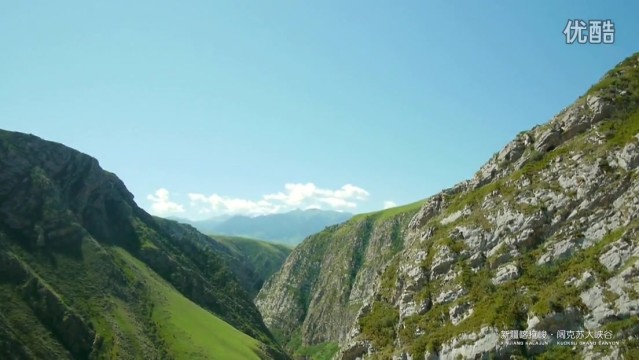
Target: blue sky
256 107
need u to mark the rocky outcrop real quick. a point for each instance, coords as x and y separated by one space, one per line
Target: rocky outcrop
320 289
52 178
542 239
74 332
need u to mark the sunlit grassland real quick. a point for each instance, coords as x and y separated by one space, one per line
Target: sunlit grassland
189 331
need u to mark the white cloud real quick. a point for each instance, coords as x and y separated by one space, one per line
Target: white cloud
338 203
161 203
217 205
389 204
294 196
349 191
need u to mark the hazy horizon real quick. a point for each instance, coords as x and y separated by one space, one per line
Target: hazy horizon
228 216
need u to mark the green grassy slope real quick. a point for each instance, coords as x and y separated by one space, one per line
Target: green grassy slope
264 257
85 273
135 313
395 211
189 331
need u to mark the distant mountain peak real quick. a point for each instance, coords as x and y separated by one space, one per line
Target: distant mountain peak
288 227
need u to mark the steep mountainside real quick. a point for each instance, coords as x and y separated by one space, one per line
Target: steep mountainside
251 261
327 278
263 258
85 273
544 238
289 228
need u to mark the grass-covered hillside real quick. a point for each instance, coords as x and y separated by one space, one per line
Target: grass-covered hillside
85 273
265 258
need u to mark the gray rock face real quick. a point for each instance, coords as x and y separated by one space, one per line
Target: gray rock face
600 310
618 253
546 231
356 350
336 272
569 318
505 273
628 158
469 346
432 207
515 149
448 295
442 262
460 312
558 251
580 118
548 140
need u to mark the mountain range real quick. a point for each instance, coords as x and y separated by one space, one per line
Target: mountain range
286 228
535 256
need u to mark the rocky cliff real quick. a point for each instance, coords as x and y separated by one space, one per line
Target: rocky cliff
326 279
536 255
86 273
